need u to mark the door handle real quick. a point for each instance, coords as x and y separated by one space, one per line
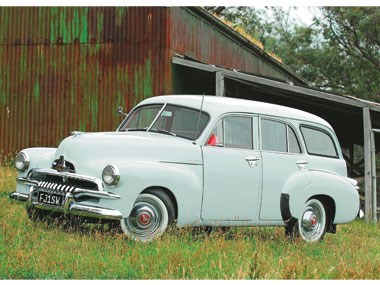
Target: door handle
302 164
252 160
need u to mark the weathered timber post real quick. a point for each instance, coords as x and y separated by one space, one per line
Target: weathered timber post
367 129
219 82
374 173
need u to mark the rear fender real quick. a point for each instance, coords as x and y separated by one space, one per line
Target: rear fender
304 185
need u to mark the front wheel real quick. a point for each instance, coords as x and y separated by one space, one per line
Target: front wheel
312 223
150 216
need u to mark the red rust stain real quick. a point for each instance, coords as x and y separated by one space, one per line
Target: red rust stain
69 68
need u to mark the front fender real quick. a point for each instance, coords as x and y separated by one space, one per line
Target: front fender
183 180
304 185
40 157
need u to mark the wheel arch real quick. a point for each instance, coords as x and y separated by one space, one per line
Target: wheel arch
330 208
181 182
168 192
327 201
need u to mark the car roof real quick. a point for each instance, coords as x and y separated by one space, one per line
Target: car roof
216 105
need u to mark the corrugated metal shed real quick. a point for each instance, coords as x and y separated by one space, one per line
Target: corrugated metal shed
203 37
68 68
64 69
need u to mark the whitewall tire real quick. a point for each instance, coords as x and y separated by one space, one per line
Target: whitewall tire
312 223
150 216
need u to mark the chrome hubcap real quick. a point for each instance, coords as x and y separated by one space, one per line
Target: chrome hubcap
312 221
145 218
309 220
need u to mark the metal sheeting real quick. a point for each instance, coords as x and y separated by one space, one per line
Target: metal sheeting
68 68
206 42
63 25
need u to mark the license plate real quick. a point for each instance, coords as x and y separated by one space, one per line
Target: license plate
50 198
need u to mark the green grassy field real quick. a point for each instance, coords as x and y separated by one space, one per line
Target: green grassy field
37 250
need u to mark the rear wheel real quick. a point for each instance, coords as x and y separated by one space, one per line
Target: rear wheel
151 214
312 223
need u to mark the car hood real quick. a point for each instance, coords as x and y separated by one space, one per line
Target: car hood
93 150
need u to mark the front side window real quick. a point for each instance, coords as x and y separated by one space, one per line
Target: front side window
171 120
233 132
318 142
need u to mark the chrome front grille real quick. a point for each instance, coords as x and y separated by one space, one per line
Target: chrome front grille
55 187
64 182
70 185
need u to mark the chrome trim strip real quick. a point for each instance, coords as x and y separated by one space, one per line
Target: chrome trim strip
79 192
70 207
19 196
184 163
27 181
95 212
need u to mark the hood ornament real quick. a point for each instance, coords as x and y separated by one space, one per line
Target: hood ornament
76 133
61 165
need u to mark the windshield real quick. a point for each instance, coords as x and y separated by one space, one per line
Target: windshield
142 117
170 120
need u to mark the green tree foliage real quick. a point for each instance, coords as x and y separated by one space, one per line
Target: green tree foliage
353 36
339 52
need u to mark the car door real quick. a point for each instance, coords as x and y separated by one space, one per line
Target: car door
281 157
232 170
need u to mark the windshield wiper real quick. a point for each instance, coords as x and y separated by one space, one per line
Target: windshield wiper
135 129
163 132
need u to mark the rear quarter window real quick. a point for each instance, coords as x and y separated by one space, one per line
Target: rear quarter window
319 142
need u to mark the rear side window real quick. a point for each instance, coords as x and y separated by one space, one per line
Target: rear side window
273 135
279 137
319 142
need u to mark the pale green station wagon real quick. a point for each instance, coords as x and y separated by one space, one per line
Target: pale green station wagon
197 161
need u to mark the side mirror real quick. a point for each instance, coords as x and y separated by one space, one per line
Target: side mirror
121 111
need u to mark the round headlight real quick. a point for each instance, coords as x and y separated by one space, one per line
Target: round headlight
111 175
22 161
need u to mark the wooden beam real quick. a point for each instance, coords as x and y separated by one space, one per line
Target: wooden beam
219 82
367 128
274 84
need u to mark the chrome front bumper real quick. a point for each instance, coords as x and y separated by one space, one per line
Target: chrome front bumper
69 205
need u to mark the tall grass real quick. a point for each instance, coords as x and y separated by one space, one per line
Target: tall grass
37 250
